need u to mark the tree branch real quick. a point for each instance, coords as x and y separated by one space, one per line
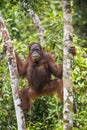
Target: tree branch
37 23
13 74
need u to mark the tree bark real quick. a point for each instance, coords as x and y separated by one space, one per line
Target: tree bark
67 66
13 74
37 24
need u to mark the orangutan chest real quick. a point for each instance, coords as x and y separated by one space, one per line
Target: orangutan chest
39 75
41 71
42 68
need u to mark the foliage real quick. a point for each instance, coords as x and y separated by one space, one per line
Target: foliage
46 112
80 22
80 83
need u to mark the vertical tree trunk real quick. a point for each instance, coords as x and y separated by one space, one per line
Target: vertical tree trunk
37 23
67 64
13 73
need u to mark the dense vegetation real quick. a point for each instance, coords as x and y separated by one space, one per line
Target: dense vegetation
46 112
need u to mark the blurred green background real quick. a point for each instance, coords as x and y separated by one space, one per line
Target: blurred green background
46 112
